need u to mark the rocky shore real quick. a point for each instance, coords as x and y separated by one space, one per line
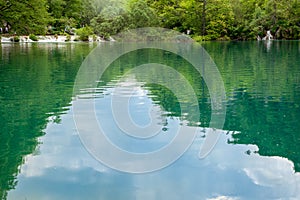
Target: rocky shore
50 38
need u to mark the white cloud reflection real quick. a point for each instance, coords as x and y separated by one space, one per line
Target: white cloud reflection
223 198
63 169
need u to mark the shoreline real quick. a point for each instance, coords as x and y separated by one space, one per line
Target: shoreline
73 39
49 39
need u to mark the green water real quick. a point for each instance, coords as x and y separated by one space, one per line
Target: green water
257 156
36 83
263 88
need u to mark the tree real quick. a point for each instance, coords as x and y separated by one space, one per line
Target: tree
283 20
168 12
90 9
219 17
24 17
141 15
111 19
204 17
192 18
65 14
117 16
210 19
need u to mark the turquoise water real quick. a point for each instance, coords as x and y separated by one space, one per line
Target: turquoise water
256 157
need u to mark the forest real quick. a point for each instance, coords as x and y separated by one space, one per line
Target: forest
202 19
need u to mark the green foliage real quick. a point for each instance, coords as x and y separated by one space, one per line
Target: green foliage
235 19
141 15
254 18
33 37
219 19
15 39
68 38
170 12
106 26
84 33
94 38
65 14
90 9
200 38
211 19
111 19
24 17
115 18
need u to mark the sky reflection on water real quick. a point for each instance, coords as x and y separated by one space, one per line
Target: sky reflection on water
61 168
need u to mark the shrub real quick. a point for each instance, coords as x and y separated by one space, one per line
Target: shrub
15 39
33 37
224 38
95 38
68 38
84 33
199 38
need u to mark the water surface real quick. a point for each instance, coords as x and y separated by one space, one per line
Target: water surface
256 157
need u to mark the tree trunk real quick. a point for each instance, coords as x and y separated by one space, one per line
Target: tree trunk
204 18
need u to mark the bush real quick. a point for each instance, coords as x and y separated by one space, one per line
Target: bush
200 38
68 38
106 26
33 37
84 33
224 38
15 39
95 38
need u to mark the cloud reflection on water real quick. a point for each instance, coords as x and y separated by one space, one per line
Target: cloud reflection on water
63 169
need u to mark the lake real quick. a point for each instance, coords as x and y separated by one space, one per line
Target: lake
44 154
